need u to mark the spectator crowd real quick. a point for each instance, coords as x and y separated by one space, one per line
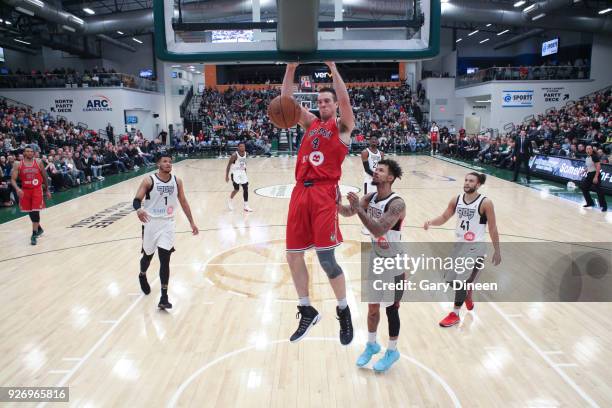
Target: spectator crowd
71 156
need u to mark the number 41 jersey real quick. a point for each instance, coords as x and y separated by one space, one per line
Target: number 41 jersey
471 225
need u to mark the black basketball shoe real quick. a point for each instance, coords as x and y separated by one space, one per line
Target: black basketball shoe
308 316
163 303
144 284
346 325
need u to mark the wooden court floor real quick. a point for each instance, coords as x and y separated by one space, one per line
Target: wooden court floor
74 315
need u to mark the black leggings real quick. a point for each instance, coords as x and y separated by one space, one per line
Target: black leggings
245 189
164 265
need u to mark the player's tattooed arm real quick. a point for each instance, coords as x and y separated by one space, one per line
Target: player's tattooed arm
397 211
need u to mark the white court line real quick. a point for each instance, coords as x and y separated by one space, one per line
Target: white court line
209 281
174 400
236 293
71 359
545 357
513 315
108 321
553 352
566 365
95 347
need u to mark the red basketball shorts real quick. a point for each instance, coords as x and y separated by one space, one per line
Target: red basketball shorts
313 218
32 200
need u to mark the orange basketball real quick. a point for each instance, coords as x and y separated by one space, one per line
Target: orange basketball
284 111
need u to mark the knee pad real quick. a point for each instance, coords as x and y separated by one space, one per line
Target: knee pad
393 319
34 216
327 259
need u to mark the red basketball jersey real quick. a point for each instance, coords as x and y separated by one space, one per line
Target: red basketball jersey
30 176
321 153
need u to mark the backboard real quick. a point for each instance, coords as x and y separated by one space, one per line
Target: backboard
235 31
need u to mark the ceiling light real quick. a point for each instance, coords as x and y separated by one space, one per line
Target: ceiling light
21 41
89 11
604 11
459 40
503 32
539 16
473 32
76 19
65 27
489 25
37 3
176 66
444 1
7 22
24 11
119 32
1 20
529 8
487 101
519 3
137 40
484 41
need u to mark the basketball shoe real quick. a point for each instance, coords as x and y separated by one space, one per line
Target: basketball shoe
366 356
385 363
144 284
346 325
164 303
450 320
308 316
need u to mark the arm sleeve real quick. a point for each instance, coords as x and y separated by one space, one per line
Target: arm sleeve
366 167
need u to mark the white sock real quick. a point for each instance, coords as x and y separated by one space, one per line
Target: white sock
246 203
304 301
342 303
392 345
372 337
457 310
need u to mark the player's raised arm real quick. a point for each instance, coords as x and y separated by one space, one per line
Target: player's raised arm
306 117
446 215
347 117
145 186
489 211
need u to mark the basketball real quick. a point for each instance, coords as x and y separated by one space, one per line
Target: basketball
284 112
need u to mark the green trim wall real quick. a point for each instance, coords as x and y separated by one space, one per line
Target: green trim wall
161 48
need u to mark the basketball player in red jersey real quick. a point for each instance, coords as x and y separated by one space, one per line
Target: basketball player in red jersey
312 221
31 172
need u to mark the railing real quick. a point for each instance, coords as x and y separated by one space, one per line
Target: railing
185 102
79 81
15 103
542 73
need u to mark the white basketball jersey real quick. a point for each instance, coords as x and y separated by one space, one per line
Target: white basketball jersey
239 169
471 226
162 200
239 165
387 245
373 159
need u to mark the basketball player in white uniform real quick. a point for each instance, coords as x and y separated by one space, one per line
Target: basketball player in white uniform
383 213
162 193
474 212
237 165
370 156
